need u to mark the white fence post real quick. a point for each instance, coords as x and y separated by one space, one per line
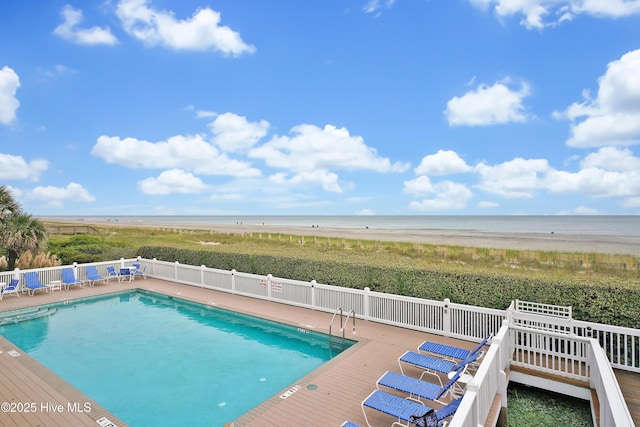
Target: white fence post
366 302
202 267
473 389
446 316
503 382
175 270
233 281
511 310
269 277
313 294
16 275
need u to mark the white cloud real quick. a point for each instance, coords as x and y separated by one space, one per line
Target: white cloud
609 172
9 84
312 148
537 14
327 180
161 28
612 158
191 153
57 70
375 5
204 114
56 195
595 182
517 178
613 118
631 203
580 210
172 181
488 105
312 153
235 133
69 30
607 129
309 157
446 195
442 163
420 186
15 167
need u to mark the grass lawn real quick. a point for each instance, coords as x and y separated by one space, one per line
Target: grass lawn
532 407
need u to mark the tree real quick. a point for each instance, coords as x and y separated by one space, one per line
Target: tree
21 232
8 203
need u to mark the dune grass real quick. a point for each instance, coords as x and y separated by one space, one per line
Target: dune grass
123 241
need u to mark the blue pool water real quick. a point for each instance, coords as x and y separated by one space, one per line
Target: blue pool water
155 360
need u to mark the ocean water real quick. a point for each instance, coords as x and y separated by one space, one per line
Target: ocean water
623 225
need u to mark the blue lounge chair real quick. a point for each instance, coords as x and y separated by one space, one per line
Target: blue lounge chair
69 279
349 424
111 271
416 388
434 365
32 282
452 352
11 288
91 271
404 409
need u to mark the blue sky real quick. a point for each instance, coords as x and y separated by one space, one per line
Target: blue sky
343 107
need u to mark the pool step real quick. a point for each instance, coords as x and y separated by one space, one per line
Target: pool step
336 343
22 315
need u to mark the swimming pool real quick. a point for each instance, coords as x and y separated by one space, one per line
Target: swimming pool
149 358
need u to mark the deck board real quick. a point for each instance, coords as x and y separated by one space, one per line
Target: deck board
337 388
630 386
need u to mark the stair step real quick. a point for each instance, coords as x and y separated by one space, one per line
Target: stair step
29 315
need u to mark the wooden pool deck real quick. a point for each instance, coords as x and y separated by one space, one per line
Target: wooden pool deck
327 397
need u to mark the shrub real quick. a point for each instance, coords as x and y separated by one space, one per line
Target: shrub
84 248
616 304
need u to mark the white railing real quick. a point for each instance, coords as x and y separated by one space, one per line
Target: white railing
613 409
540 337
442 317
583 358
558 311
551 352
488 382
621 345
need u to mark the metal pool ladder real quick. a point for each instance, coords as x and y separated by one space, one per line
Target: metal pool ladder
337 343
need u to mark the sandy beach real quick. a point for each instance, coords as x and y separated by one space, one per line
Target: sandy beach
590 243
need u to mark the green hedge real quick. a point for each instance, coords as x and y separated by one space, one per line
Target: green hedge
600 304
